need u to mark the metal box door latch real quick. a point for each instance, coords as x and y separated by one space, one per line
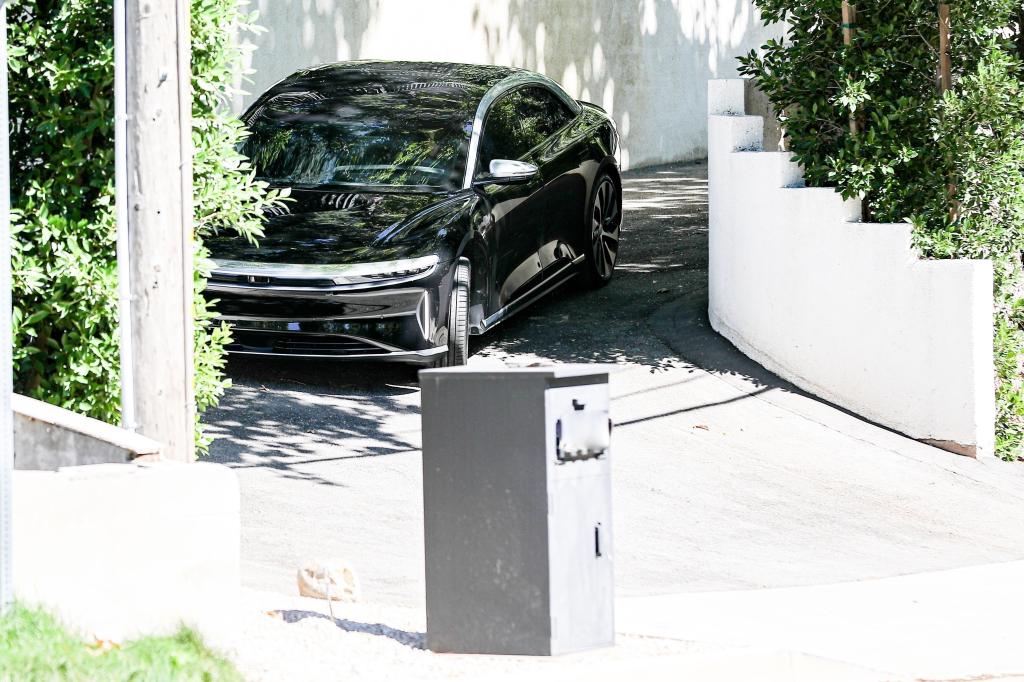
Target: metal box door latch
582 434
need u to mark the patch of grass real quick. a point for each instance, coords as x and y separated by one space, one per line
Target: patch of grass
33 646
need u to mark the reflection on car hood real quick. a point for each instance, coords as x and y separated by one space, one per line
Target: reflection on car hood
325 227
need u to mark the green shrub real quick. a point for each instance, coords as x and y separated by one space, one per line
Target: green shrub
951 164
62 167
980 130
226 193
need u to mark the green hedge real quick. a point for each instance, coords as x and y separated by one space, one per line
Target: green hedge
62 168
951 164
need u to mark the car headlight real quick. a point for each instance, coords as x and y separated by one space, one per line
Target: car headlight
302 275
361 273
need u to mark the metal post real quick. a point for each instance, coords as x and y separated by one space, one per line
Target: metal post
184 43
154 209
124 295
6 382
945 78
849 24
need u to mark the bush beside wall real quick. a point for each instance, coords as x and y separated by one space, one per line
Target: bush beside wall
62 191
950 164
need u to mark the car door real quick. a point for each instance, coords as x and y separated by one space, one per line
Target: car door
561 152
516 212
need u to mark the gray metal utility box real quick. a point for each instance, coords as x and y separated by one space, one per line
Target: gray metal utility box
517 509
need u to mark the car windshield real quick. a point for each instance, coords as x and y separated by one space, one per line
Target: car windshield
408 134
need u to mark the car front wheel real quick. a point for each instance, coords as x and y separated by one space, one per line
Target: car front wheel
458 320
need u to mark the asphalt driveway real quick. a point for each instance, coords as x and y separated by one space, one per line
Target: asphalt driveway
725 476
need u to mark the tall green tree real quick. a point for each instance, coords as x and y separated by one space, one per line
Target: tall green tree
62 187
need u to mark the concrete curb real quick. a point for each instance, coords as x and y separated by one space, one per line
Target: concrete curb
49 437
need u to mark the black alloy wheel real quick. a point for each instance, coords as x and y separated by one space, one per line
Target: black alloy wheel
604 221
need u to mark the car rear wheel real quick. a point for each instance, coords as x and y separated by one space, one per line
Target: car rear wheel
604 218
458 320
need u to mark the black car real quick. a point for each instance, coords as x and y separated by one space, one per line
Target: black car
429 202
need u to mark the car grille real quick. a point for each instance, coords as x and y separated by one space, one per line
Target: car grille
305 344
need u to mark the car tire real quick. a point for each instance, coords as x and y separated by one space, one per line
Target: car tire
603 224
458 320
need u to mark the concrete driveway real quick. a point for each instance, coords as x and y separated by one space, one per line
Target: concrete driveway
725 476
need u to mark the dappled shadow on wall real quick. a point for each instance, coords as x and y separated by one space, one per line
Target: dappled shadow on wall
645 61
304 34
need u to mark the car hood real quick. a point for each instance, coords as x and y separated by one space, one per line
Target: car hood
328 227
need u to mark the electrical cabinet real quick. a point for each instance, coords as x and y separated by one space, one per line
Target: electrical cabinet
517 509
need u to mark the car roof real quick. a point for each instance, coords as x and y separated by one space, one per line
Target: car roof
471 78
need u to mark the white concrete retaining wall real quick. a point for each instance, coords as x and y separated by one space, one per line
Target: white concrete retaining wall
843 309
118 551
50 437
645 61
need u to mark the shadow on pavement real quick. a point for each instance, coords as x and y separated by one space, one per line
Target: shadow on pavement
684 326
285 414
290 414
413 640
663 255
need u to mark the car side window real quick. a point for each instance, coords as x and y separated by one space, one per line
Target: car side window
503 136
519 121
542 114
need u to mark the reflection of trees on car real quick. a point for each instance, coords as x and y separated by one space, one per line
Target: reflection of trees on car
411 135
518 122
411 132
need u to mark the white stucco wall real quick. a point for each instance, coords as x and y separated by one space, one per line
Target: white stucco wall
646 61
843 309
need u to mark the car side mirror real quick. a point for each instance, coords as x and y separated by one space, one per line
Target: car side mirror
508 172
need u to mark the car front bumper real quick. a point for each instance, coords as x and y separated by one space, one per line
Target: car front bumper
400 322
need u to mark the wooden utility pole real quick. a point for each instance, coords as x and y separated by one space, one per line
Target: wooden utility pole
6 368
154 190
849 24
